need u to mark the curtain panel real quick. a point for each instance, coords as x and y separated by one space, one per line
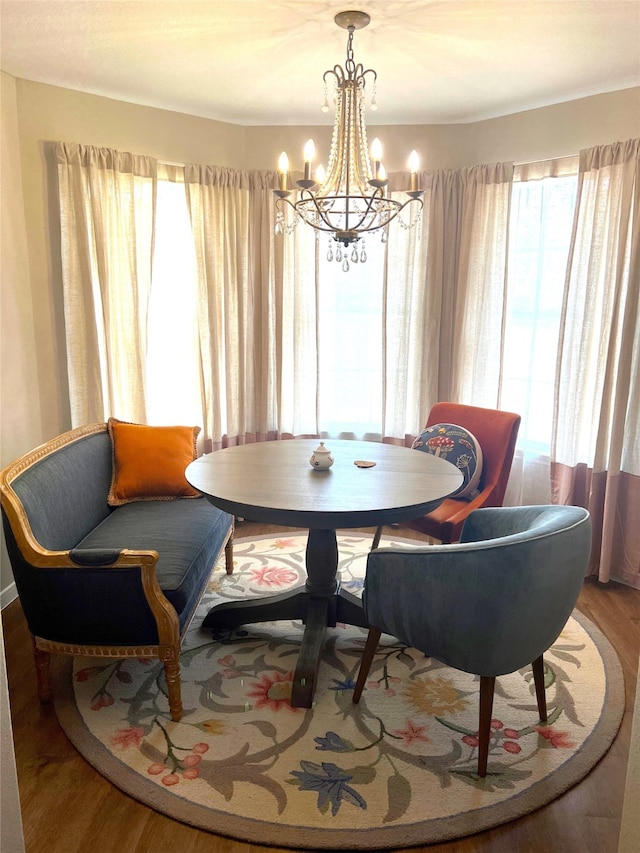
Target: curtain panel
257 311
107 209
467 263
444 296
258 296
595 451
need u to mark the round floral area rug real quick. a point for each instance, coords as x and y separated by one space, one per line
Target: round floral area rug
398 769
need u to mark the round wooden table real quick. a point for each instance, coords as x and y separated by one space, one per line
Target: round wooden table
273 482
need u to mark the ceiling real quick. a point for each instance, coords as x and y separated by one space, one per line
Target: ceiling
260 62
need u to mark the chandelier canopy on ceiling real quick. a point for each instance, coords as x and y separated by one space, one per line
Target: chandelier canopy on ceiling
349 199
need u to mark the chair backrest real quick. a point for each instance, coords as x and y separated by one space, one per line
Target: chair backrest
58 493
496 432
490 604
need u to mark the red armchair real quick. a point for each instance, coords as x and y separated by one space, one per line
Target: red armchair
496 432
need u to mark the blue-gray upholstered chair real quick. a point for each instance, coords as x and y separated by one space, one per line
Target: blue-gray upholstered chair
449 601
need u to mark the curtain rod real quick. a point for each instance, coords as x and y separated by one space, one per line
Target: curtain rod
544 159
516 163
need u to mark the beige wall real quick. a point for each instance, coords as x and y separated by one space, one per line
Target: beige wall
22 387
532 135
34 115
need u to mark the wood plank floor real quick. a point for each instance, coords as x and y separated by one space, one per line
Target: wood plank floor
68 807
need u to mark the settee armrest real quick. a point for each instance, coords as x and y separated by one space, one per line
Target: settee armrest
94 556
111 557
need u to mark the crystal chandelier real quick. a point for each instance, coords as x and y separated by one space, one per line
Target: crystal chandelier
350 199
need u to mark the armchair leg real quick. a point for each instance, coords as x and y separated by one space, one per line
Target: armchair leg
376 538
371 645
43 673
487 685
172 677
228 554
538 680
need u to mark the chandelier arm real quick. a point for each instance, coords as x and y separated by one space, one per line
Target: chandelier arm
399 209
338 73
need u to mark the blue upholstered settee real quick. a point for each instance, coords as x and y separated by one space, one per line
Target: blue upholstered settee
100 580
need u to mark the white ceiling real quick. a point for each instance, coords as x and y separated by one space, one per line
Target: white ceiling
260 62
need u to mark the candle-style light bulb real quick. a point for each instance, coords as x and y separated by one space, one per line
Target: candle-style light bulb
376 156
283 168
414 165
309 154
320 174
382 172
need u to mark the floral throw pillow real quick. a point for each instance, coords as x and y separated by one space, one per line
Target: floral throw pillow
458 446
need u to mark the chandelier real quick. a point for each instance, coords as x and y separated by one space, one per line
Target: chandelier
349 199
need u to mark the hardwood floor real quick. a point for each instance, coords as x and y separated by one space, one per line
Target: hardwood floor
67 807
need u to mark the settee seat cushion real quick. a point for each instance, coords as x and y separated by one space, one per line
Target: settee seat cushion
187 534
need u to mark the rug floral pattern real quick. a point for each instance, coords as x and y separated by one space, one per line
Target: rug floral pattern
406 753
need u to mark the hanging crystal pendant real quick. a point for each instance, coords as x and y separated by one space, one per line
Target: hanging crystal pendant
278 229
345 264
354 254
325 103
330 250
339 253
363 254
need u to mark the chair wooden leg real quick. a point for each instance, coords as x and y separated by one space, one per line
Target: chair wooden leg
43 673
376 538
371 645
487 685
228 554
172 677
538 680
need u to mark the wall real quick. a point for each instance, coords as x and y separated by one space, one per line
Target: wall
19 415
522 137
11 835
34 115
22 388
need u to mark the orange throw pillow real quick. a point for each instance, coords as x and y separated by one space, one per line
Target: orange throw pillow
149 462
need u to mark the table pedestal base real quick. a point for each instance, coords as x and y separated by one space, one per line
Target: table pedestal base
320 604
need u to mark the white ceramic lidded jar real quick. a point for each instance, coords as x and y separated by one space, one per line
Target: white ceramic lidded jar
321 458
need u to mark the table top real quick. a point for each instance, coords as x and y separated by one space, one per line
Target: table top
273 482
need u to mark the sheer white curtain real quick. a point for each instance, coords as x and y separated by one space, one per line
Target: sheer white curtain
107 205
376 334
410 320
256 323
291 345
257 311
541 216
596 450
467 256
428 304
255 336
422 319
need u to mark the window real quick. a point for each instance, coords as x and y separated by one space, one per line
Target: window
350 349
173 360
539 239
350 312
